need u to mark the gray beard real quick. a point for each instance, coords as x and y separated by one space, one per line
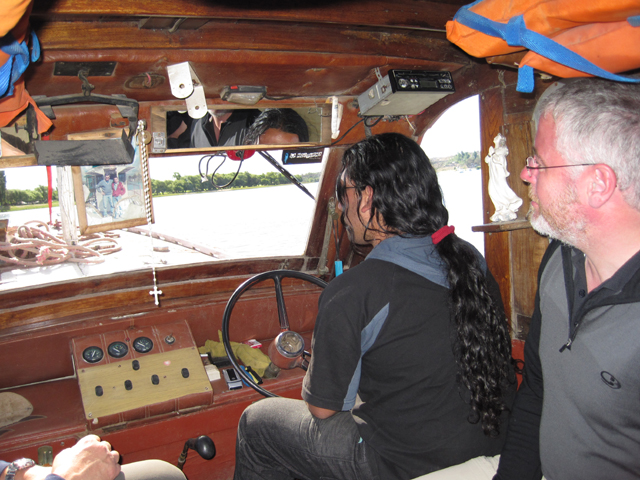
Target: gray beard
569 236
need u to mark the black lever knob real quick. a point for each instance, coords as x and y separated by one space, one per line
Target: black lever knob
203 445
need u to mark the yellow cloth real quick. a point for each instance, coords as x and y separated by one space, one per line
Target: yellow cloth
249 356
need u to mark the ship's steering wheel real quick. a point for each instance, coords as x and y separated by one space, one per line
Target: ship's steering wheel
287 350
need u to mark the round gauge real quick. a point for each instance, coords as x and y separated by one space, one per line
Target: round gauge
142 344
92 354
118 349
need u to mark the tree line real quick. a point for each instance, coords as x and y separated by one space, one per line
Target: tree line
180 184
459 161
9 197
196 183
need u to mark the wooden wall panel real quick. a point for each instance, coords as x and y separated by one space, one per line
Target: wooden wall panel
497 252
527 249
513 253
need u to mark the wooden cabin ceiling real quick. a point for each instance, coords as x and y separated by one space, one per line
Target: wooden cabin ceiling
330 48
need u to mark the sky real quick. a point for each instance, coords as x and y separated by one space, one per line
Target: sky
457 130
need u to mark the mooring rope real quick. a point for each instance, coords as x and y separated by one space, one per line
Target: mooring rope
36 246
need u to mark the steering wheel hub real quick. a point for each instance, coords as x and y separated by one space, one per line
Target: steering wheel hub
287 350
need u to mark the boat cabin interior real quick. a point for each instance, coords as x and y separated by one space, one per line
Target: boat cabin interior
72 351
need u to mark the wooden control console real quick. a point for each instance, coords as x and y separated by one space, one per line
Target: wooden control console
139 373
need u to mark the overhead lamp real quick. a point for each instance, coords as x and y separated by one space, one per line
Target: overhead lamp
243 94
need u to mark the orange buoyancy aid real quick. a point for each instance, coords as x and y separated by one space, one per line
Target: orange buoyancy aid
17 50
564 37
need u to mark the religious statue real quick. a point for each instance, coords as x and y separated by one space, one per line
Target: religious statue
504 199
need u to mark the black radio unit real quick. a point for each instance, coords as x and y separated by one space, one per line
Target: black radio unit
405 92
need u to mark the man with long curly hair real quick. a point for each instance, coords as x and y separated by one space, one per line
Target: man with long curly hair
411 369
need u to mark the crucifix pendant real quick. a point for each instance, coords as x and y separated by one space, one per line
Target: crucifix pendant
155 292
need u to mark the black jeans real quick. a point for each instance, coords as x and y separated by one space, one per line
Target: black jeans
278 438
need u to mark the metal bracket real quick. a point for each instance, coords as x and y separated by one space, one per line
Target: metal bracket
159 142
45 455
186 84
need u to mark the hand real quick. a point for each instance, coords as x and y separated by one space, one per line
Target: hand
89 459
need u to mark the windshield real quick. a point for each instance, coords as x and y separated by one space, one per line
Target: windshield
260 214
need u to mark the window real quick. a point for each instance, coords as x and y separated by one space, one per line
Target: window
453 146
261 215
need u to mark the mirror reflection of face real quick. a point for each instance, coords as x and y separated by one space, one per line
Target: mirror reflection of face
273 136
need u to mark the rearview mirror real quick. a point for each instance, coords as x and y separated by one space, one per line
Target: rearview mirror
233 127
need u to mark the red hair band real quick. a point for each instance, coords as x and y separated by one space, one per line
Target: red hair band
437 236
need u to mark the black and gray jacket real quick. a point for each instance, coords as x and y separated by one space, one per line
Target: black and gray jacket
577 412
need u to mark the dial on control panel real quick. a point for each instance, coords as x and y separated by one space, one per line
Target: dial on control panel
142 344
118 349
92 354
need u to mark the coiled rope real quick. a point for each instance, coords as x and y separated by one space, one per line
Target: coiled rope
36 246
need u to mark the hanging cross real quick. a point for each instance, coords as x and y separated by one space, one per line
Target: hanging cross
155 292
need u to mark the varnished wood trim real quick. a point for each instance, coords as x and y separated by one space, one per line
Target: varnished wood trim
254 36
406 13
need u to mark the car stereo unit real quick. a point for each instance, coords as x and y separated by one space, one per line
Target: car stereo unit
405 92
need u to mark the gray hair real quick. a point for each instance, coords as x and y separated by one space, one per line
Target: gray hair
598 121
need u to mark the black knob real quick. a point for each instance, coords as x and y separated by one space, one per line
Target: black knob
128 385
155 379
136 365
185 373
204 446
99 391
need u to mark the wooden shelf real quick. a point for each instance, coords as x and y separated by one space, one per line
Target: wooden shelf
495 227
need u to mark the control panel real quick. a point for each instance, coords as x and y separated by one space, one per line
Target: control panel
137 373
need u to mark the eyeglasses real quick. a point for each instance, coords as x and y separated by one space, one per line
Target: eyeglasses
532 164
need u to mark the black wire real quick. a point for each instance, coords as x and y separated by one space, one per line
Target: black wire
347 132
378 118
224 158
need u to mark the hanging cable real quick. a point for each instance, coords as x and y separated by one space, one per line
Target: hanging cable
206 173
377 120
347 132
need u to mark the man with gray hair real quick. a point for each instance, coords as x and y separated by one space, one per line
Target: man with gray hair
576 414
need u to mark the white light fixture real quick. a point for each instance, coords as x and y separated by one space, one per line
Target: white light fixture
186 84
243 94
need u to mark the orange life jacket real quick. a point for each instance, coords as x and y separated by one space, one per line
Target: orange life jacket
564 37
15 54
